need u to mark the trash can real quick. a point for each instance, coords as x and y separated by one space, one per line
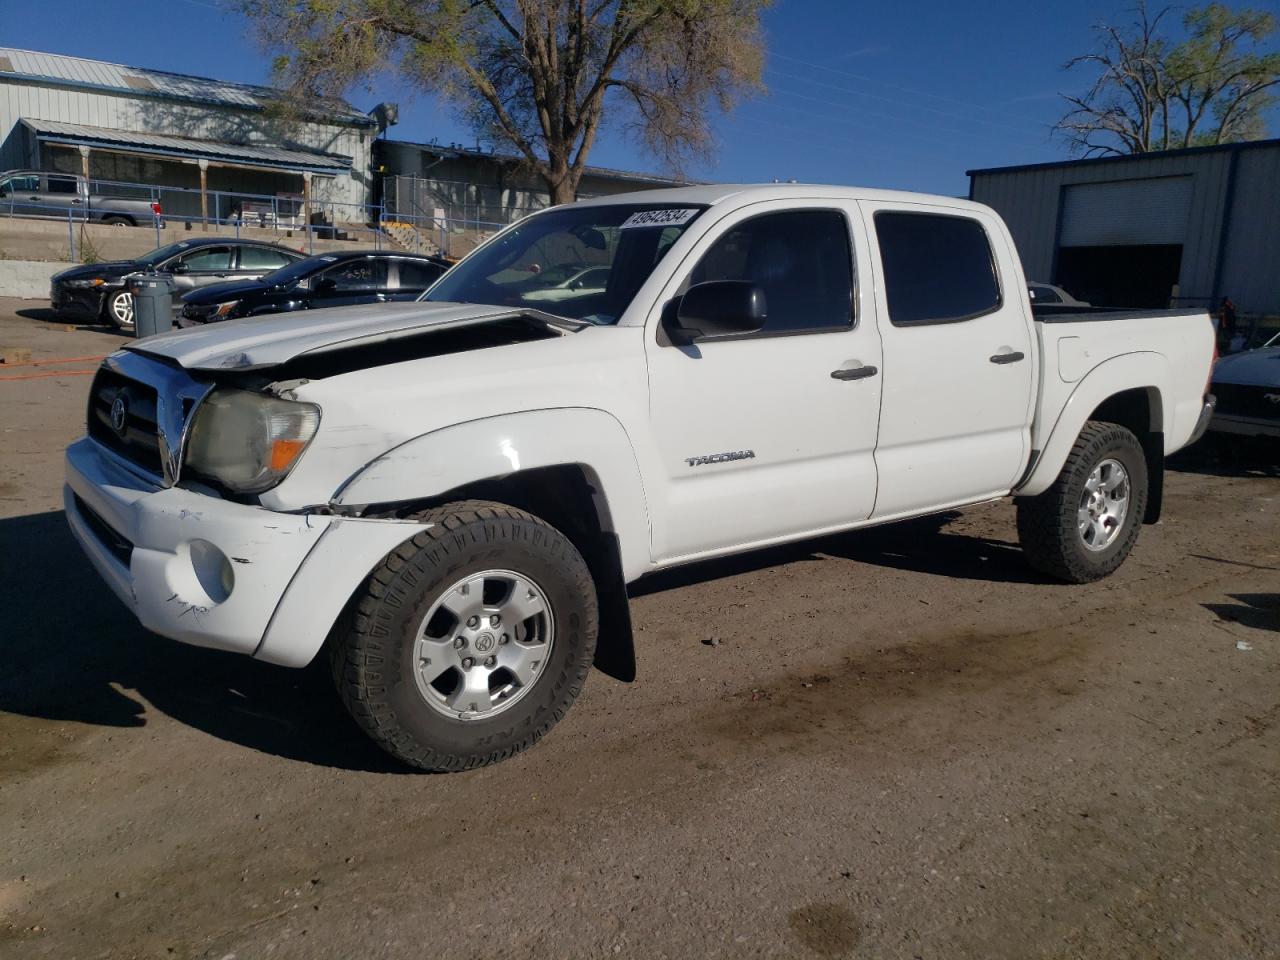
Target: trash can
152 306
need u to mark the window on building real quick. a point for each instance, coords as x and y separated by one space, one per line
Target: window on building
802 261
937 268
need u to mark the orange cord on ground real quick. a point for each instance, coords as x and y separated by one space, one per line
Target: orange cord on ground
53 373
53 362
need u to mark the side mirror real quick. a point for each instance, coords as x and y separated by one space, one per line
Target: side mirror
179 267
326 285
720 308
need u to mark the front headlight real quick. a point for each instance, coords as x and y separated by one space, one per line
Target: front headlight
248 442
86 284
224 310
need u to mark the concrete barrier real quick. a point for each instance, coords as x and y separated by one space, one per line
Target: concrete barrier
28 279
31 239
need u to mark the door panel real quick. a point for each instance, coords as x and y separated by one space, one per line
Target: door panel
756 439
204 266
956 414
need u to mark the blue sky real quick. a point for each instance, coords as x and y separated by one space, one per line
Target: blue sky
905 95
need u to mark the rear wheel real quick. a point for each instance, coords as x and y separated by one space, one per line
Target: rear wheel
471 640
1084 526
118 309
117 221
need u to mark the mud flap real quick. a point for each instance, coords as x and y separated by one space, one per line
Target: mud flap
615 647
1153 447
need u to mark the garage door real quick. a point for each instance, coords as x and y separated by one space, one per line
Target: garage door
1126 212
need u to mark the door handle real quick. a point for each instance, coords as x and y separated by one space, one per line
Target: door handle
77 201
1013 357
853 373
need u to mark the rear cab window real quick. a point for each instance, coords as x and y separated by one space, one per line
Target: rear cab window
938 268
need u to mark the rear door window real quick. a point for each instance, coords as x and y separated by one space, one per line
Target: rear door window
208 259
263 259
63 185
938 268
801 259
417 275
352 276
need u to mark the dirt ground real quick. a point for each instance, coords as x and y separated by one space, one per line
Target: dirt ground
906 744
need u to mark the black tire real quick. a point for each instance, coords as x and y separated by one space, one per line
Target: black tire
1047 524
372 652
119 221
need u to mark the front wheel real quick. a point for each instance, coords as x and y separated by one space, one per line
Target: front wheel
1084 526
471 640
119 309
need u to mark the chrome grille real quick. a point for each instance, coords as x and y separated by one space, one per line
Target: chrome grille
133 434
1241 400
140 407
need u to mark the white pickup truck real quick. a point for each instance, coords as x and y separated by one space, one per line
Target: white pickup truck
450 496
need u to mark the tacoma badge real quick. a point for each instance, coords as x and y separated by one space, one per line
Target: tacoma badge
720 457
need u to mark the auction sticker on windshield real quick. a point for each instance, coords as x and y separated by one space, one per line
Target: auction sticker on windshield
658 218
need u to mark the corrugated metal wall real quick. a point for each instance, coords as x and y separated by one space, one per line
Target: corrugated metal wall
1030 202
152 115
1251 264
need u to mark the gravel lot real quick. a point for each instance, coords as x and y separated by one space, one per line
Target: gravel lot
906 744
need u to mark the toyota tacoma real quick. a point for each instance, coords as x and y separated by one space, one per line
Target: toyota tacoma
449 497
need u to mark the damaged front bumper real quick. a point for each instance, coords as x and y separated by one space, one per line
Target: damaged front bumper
218 574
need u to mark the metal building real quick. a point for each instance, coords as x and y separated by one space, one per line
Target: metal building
458 183
132 125
1179 227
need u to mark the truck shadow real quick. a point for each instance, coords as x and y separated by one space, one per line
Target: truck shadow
72 652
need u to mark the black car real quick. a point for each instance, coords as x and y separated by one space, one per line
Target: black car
96 291
325 280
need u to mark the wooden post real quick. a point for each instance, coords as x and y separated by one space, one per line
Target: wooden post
306 211
204 195
84 171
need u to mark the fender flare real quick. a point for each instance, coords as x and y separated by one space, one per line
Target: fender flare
496 447
1130 371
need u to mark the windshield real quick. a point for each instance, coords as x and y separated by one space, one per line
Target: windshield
580 262
163 253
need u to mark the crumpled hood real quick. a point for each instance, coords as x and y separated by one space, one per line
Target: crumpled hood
252 343
1261 367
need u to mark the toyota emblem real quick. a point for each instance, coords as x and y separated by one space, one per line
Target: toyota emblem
119 414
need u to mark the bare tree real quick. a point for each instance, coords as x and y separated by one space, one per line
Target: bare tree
1153 94
537 75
